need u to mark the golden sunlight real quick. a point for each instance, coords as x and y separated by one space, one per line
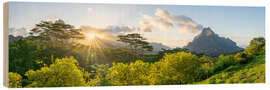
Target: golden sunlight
95 35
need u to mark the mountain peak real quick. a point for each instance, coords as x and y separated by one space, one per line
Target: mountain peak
207 31
209 43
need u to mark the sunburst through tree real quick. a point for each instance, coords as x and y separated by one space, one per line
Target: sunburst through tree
94 46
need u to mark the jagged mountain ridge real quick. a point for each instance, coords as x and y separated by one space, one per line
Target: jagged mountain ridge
210 43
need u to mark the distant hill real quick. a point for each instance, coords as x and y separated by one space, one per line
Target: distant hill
13 38
157 47
209 43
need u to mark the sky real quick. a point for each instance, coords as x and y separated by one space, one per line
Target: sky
171 25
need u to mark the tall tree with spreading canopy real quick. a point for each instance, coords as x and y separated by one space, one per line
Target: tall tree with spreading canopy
58 37
136 43
57 31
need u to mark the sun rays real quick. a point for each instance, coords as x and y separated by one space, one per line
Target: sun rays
94 43
94 35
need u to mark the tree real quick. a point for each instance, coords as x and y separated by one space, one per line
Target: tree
256 46
258 41
49 31
206 68
63 73
241 57
111 55
178 68
223 62
25 54
162 52
14 80
58 37
99 75
136 43
136 73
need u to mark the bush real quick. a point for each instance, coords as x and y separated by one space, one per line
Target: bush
64 72
136 73
256 46
223 62
178 68
14 80
23 55
206 68
98 75
241 58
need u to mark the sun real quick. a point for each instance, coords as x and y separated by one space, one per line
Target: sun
94 36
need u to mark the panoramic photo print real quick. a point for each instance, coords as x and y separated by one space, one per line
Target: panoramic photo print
83 45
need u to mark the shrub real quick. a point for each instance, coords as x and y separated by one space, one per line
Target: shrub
178 68
14 80
136 73
98 75
256 46
64 72
223 62
23 55
206 68
241 58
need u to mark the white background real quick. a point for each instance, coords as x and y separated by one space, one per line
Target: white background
265 3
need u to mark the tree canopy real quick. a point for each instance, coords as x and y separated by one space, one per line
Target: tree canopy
14 80
136 43
64 72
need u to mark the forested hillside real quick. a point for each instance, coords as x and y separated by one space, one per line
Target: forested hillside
53 56
253 72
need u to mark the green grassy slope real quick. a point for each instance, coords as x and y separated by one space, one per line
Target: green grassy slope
253 72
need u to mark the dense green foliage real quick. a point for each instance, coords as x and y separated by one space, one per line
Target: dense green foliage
41 61
161 54
25 54
14 80
133 74
246 67
223 62
253 72
63 72
136 43
257 46
178 68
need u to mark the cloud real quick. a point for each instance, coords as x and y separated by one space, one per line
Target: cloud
110 31
107 33
18 32
89 9
89 29
121 29
165 20
161 23
188 30
187 25
165 15
146 26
